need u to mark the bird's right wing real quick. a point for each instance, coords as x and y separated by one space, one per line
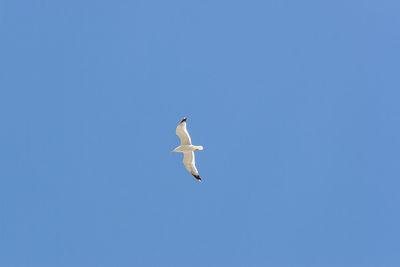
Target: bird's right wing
188 161
183 133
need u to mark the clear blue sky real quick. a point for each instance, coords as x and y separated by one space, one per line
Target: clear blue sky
295 102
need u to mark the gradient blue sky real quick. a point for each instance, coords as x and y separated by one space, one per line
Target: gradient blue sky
295 102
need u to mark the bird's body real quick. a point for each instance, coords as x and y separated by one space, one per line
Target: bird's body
187 149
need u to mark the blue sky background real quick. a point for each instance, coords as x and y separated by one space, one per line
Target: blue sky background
295 102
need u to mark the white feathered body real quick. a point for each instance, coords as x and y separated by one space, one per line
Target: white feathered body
187 149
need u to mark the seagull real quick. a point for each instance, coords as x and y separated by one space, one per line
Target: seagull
187 149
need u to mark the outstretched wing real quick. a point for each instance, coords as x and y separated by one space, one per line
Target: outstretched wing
183 133
188 161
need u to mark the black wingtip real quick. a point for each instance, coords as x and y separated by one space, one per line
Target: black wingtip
184 119
197 177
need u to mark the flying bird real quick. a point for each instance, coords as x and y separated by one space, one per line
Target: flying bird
187 149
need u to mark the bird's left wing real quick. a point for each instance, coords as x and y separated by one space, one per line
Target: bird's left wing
183 133
188 161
